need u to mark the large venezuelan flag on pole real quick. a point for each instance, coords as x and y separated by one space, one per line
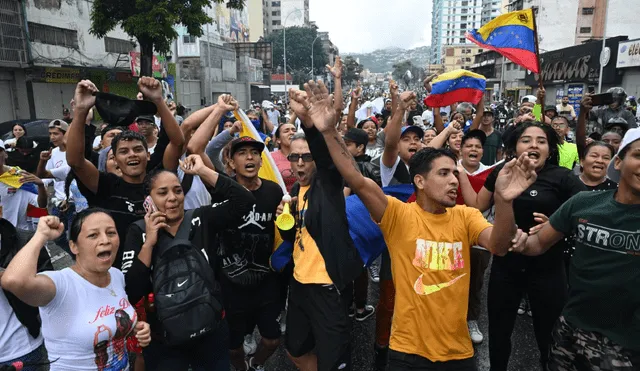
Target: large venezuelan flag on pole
456 86
269 170
513 35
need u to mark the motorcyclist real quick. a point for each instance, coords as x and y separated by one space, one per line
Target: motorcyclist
601 115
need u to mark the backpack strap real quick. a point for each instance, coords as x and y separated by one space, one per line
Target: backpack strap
184 231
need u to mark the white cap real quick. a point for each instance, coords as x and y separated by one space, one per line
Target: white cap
631 136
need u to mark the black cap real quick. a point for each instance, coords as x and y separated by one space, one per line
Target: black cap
476 133
148 118
236 144
550 108
487 111
357 136
617 121
120 111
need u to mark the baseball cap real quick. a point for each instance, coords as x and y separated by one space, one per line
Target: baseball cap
59 124
357 136
550 108
488 111
617 121
236 144
148 118
631 136
412 129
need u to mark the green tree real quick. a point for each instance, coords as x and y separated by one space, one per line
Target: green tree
151 22
299 40
400 70
352 70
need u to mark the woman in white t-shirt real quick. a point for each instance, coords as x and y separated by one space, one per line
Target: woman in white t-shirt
86 316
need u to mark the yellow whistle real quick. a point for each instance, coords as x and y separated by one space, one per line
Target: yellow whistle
285 221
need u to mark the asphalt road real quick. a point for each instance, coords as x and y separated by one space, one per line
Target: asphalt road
524 355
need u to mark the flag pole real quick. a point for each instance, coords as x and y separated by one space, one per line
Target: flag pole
535 36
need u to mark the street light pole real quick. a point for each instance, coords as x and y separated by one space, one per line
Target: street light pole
312 44
284 35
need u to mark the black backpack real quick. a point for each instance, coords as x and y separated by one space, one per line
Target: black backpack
184 287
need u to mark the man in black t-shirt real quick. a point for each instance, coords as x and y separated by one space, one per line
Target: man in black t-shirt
251 289
122 196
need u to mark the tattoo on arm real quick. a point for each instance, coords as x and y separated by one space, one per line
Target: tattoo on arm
345 152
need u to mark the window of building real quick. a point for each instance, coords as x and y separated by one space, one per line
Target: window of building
275 23
463 26
467 60
508 66
119 46
188 39
585 29
465 3
275 3
468 51
587 11
45 34
462 39
275 13
463 18
464 11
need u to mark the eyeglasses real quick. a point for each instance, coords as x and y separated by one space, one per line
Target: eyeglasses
295 157
558 126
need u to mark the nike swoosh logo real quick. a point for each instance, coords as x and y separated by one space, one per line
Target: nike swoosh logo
185 281
422 289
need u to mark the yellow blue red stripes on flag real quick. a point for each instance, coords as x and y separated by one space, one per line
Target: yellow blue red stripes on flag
456 86
269 170
512 35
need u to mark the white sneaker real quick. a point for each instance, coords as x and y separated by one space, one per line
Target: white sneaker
283 322
474 332
250 346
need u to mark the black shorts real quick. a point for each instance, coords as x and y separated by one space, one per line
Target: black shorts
247 308
399 361
318 317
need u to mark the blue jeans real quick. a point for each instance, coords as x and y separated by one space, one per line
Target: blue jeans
210 353
38 357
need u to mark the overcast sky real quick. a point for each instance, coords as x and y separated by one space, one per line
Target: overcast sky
366 25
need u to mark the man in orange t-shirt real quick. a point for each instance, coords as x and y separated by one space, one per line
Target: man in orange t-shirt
429 241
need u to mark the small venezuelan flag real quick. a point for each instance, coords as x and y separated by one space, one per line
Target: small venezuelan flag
456 86
511 35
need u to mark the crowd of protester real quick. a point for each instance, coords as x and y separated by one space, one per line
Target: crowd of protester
178 255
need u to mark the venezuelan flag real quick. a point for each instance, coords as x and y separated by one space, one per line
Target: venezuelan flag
456 86
511 35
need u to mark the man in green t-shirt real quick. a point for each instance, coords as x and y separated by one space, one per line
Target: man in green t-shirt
600 326
568 152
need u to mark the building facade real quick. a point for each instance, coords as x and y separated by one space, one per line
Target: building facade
47 49
451 19
459 56
278 12
492 9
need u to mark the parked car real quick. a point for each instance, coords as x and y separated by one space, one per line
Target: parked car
35 128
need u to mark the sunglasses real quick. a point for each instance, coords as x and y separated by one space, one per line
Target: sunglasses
295 157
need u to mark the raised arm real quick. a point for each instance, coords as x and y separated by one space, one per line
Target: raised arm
437 120
152 90
394 129
336 71
86 172
514 178
441 139
353 107
21 277
317 105
393 91
479 112
204 133
581 126
41 170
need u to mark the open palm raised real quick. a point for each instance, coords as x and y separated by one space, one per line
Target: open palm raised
317 105
515 177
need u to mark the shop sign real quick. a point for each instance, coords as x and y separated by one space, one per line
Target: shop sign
629 54
61 75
